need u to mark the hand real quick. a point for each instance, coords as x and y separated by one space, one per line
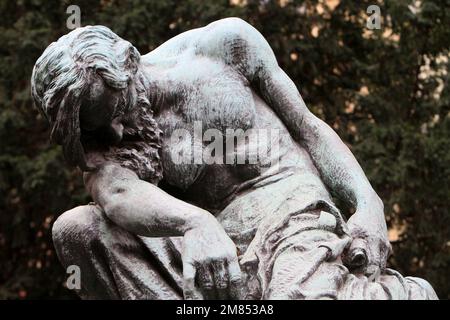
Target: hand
210 260
370 247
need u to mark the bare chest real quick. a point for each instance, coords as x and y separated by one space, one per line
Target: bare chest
204 99
205 92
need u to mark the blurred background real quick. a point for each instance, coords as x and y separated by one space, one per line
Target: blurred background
385 91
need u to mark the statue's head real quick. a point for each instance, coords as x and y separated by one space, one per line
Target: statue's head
86 84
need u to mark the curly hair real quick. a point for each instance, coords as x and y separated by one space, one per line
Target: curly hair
62 76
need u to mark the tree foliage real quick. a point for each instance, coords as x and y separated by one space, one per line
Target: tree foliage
386 92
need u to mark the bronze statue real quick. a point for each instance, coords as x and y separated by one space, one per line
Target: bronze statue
178 214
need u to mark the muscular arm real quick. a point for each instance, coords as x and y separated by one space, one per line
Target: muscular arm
209 256
140 207
337 166
335 162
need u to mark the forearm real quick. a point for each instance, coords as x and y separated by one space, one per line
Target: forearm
335 162
141 207
338 167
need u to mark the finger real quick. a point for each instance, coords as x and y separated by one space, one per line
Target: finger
189 290
235 279
385 252
390 249
206 280
220 279
373 273
357 254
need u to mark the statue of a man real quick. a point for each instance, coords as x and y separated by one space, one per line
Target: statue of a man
168 224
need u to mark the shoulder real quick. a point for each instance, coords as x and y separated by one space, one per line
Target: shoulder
231 40
231 29
235 42
222 33
230 33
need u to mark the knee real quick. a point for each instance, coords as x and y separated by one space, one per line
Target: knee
76 225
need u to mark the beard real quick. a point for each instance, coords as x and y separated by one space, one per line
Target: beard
139 148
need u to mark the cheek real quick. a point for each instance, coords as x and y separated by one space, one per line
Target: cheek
104 111
117 131
111 105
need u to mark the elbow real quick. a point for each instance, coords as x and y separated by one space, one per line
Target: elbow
116 203
115 211
127 215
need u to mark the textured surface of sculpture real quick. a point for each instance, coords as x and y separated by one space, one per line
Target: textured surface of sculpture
168 223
